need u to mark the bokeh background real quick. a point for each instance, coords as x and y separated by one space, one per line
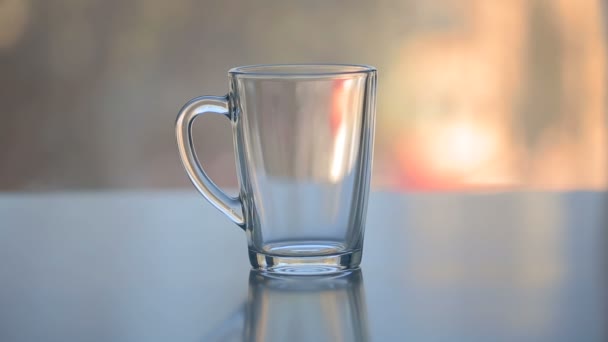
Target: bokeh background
473 94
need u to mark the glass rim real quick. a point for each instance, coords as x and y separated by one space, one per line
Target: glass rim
301 70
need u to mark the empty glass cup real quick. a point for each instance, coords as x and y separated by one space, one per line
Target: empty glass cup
303 136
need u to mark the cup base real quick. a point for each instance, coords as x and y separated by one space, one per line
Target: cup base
305 265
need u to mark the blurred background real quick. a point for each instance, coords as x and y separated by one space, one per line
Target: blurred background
473 94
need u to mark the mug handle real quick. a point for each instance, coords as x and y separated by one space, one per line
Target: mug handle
232 207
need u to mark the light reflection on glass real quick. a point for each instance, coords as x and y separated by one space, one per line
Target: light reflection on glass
340 121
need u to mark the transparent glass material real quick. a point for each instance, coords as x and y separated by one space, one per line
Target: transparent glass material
303 136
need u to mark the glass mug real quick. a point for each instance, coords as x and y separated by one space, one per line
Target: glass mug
303 136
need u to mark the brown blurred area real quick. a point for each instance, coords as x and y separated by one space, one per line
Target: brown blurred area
472 94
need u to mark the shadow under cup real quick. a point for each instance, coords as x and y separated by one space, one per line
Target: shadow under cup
303 137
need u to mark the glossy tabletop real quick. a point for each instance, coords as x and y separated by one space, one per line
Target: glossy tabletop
117 266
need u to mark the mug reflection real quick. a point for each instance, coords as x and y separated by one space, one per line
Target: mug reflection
283 308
